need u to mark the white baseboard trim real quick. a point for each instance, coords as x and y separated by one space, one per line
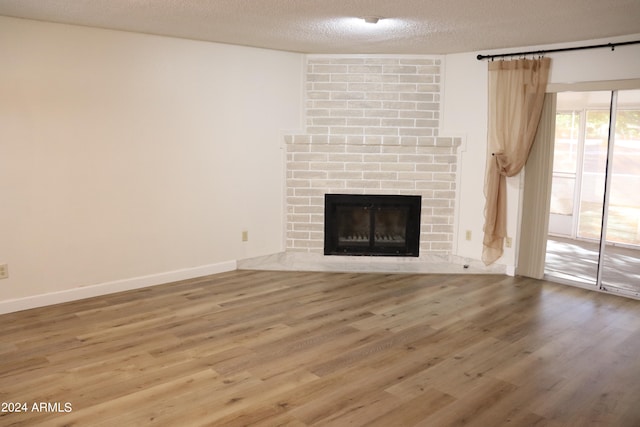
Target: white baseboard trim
19 304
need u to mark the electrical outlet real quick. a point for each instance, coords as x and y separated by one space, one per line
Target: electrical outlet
468 235
245 236
4 271
508 242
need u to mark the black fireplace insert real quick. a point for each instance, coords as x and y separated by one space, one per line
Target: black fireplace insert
385 225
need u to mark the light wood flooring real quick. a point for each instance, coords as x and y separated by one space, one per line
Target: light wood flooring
268 348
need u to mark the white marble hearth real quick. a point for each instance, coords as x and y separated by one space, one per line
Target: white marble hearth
306 261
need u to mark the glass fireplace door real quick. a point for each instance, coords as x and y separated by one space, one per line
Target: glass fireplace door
386 225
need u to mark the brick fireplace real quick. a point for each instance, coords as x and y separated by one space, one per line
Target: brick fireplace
371 128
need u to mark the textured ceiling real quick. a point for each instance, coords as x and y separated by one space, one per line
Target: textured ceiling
329 26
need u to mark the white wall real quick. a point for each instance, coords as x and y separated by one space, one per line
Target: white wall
129 159
465 114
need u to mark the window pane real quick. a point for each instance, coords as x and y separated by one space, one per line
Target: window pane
623 225
594 163
562 191
566 141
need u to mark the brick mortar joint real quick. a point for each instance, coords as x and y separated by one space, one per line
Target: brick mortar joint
456 142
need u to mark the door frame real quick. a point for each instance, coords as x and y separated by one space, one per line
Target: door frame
533 236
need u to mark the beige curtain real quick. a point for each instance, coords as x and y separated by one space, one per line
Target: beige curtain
538 173
516 95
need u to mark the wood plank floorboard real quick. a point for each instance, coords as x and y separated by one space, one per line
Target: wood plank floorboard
269 348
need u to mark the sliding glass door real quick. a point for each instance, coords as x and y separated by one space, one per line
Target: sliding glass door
594 234
577 190
620 250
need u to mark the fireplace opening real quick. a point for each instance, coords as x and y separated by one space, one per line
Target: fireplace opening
385 225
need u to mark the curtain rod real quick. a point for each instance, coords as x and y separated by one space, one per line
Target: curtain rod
564 49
